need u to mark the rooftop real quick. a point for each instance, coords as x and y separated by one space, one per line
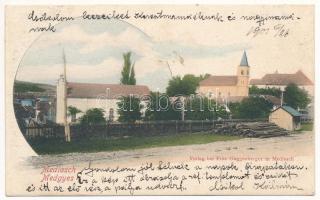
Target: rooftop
110 91
290 110
219 81
298 78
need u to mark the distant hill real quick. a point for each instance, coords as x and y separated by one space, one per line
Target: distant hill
23 86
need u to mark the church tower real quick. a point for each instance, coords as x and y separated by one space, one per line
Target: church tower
243 74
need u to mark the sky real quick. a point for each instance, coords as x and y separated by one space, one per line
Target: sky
94 51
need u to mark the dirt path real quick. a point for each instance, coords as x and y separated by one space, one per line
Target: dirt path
294 145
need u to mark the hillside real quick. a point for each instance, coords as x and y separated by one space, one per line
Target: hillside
23 86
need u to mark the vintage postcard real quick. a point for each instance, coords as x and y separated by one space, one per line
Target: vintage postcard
159 100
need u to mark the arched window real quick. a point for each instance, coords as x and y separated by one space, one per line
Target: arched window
242 72
247 72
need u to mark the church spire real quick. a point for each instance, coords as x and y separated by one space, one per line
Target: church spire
244 60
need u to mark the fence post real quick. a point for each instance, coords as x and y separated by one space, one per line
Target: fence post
176 127
108 129
163 129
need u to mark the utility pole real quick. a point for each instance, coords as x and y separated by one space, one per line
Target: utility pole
66 124
281 102
182 111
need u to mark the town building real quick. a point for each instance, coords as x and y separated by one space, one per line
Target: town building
230 88
86 96
286 117
281 81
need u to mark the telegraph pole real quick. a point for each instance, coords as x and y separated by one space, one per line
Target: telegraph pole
66 124
281 102
182 111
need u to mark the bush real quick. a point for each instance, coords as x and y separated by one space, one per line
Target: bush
160 108
93 116
129 109
204 109
265 91
251 108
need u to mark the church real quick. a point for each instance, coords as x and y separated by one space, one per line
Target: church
228 88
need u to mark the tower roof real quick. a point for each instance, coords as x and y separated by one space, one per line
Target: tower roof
244 60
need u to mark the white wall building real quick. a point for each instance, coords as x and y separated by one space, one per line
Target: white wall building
85 96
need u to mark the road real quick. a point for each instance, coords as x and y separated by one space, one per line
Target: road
301 144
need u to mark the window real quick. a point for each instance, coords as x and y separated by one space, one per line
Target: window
242 72
248 72
111 115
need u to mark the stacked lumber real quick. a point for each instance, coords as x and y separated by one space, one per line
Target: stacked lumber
253 129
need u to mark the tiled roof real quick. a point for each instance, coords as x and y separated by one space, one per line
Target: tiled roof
110 91
256 81
290 110
274 100
298 78
219 81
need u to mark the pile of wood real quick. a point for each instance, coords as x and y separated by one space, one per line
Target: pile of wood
254 129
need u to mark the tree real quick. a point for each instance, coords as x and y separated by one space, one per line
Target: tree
251 108
234 108
160 108
196 108
186 85
265 91
73 111
175 86
129 109
132 79
20 86
93 116
191 83
127 73
199 108
296 97
205 76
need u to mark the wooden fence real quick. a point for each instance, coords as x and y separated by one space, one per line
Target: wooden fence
116 130
306 120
